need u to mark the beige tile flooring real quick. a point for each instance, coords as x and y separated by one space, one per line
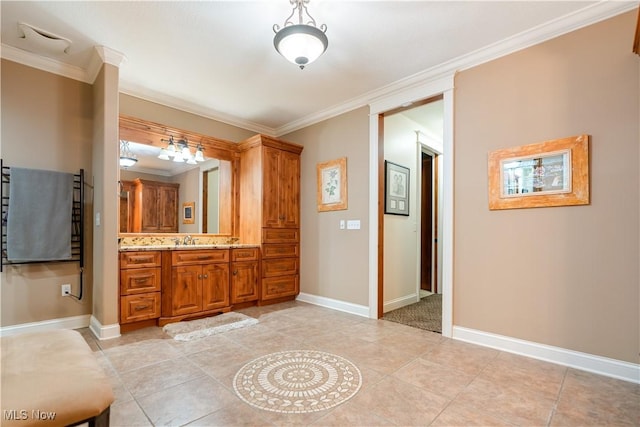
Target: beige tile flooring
410 377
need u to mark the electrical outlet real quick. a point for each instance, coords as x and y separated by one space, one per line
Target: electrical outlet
66 290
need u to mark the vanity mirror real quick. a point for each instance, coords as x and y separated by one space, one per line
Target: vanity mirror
153 191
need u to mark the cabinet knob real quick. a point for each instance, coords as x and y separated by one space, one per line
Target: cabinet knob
235 272
199 276
206 276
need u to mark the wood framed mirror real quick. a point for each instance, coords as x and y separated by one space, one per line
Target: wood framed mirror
211 184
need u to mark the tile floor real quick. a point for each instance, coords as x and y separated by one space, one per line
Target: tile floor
411 377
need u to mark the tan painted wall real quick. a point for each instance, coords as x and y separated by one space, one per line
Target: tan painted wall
147 110
334 262
46 124
562 276
105 181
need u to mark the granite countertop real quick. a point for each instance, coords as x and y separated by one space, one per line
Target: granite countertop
174 247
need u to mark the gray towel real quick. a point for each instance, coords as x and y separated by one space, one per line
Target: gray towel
39 221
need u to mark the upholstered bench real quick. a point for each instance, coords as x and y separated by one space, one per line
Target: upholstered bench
52 379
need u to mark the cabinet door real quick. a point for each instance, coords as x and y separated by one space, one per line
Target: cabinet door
215 286
244 282
186 290
289 190
149 208
281 191
168 209
271 215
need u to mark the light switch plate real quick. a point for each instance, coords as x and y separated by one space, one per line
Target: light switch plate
342 224
353 224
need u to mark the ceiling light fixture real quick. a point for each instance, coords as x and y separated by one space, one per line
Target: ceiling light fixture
300 43
179 151
127 158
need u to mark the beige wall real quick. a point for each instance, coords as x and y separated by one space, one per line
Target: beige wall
47 123
147 110
562 276
105 182
334 262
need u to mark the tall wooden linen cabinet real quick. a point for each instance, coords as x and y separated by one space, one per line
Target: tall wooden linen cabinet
270 212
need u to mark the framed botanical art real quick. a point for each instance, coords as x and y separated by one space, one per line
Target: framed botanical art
396 189
332 185
549 173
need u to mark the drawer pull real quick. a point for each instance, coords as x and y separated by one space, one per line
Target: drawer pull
204 257
141 307
141 260
142 279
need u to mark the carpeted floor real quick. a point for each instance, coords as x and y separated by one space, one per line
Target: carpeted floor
426 314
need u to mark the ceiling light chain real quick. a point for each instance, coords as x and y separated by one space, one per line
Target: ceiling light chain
300 43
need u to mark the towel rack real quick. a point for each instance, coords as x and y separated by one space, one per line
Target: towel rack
77 221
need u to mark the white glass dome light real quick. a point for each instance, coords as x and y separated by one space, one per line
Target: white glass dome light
300 43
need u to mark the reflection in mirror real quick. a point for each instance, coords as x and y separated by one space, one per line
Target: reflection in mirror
208 184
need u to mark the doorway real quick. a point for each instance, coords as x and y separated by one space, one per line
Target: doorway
428 225
422 151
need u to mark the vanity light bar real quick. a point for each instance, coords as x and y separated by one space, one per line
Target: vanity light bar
179 151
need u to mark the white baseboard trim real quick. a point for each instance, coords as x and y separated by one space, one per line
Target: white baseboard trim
73 322
586 362
347 307
104 332
397 303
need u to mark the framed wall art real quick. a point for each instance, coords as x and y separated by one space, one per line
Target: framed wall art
189 213
550 173
396 189
332 185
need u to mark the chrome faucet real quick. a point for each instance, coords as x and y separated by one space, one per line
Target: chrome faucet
176 240
187 239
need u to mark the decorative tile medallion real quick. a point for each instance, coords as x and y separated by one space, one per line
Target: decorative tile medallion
297 381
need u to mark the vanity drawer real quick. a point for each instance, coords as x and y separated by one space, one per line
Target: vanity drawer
139 307
139 280
280 251
139 259
278 287
279 267
280 235
189 257
245 254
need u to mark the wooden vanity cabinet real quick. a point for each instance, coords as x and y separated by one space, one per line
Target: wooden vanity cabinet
270 212
140 286
245 275
155 207
199 284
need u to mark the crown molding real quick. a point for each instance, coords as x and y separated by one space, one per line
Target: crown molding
587 16
188 107
103 55
43 63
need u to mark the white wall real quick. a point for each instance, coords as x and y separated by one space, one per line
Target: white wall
400 232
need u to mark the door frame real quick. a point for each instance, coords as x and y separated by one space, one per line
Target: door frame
436 223
442 86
